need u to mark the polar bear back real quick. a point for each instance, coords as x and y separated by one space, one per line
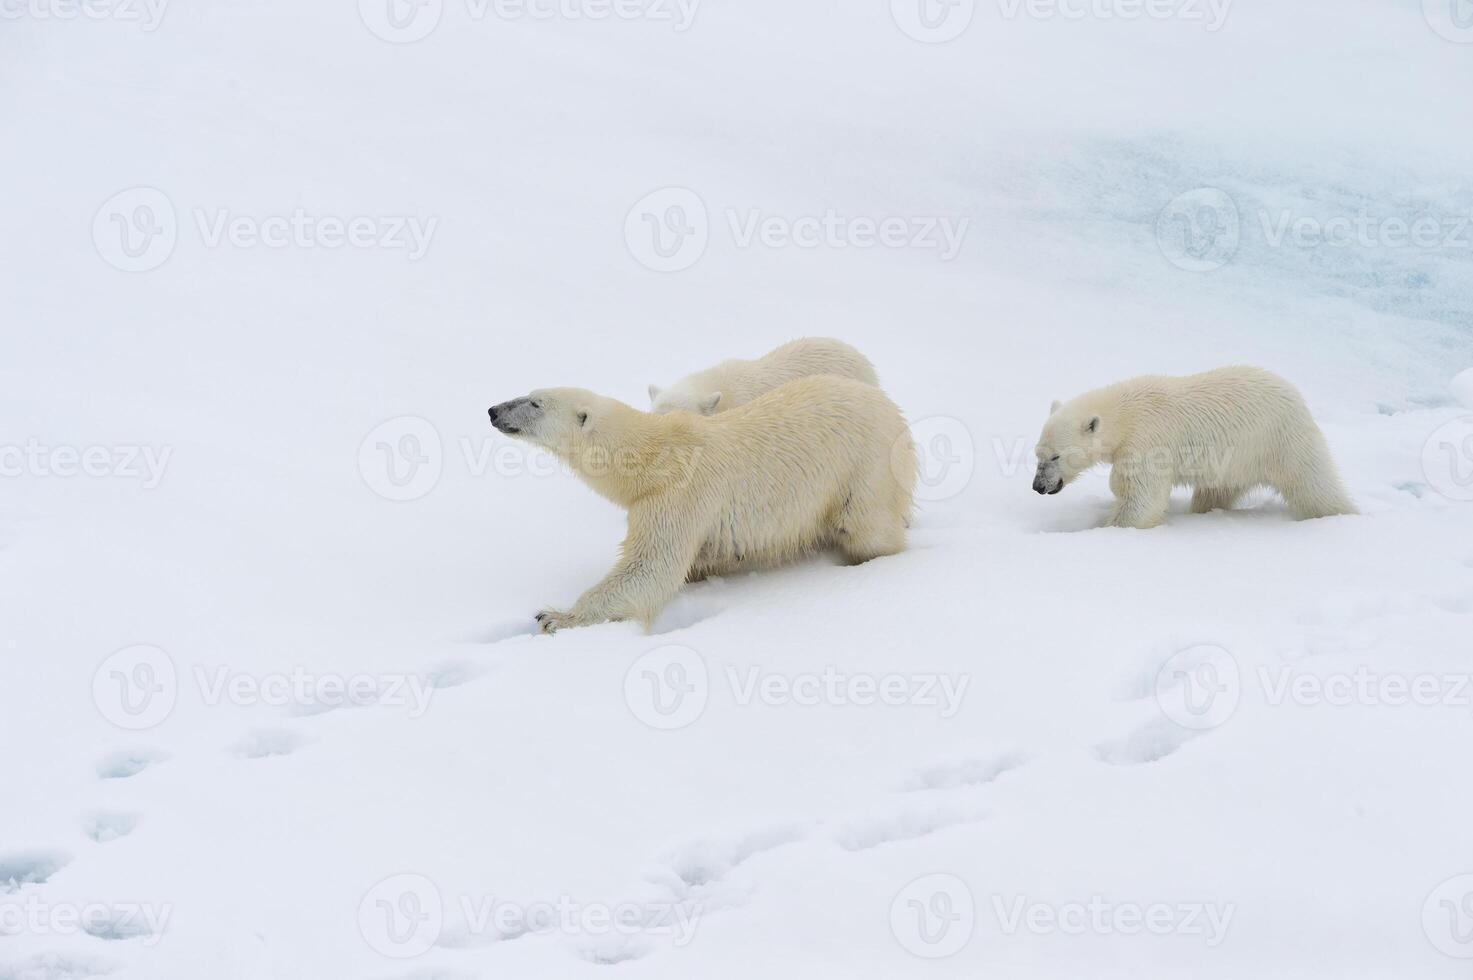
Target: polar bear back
738 382
1230 426
777 474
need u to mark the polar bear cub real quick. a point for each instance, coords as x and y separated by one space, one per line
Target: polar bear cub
815 463
733 383
1221 432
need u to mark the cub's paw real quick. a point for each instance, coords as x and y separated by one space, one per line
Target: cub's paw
551 620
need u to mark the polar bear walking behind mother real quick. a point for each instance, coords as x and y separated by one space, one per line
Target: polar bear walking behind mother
1222 433
821 462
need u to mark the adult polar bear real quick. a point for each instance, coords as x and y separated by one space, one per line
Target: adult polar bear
1221 433
818 462
731 384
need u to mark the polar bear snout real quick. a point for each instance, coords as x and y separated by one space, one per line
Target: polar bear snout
514 416
1047 482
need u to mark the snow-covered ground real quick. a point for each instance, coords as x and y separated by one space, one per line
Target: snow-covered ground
271 706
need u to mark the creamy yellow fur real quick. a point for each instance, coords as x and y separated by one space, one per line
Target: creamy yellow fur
732 384
819 462
1222 433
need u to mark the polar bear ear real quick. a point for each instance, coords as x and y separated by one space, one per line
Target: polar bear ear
654 393
1055 406
1093 425
709 403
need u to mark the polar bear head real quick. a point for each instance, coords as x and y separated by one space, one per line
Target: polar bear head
683 397
619 451
567 421
1070 444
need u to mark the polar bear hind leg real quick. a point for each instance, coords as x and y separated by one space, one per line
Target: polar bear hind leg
871 521
1206 499
1311 485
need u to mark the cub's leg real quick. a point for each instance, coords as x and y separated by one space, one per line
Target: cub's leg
657 555
1205 499
1310 483
1141 499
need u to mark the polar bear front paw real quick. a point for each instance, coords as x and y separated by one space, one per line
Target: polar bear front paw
552 620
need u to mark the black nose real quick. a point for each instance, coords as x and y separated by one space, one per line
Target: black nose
492 412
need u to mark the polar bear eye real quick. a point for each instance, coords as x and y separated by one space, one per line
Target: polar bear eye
582 418
1054 459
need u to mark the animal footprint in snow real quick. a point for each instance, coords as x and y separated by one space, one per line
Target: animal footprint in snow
132 922
105 825
969 772
706 862
453 673
123 765
1457 603
863 833
19 868
264 744
612 950
1153 741
55 966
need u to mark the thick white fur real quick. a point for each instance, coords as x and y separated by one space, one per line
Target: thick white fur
734 383
1221 433
815 463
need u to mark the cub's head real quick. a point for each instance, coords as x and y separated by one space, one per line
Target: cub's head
682 398
566 421
1072 442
